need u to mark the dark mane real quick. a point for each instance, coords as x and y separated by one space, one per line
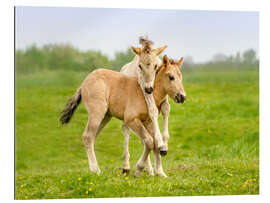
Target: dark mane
146 44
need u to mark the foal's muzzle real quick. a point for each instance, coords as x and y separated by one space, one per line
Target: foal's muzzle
180 98
148 90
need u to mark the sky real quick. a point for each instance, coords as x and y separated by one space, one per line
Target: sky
199 34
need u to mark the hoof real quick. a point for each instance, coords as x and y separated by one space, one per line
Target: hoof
162 175
150 172
95 169
163 153
125 171
137 173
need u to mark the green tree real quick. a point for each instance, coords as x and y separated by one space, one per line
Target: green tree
249 57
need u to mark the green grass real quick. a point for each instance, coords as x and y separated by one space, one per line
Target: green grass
213 146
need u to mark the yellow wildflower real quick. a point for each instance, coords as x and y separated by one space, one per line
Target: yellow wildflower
79 179
21 186
91 183
227 186
254 179
86 192
90 189
126 178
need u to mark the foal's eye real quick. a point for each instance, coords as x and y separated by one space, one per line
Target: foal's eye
171 77
155 66
140 66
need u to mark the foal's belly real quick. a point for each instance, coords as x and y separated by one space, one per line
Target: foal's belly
116 114
116 110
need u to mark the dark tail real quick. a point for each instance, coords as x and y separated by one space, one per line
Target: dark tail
71 106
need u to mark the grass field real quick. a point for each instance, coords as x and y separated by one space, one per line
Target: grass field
213 146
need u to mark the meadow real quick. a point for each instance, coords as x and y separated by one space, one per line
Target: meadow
213 146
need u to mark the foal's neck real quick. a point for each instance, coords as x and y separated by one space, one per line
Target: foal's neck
159 90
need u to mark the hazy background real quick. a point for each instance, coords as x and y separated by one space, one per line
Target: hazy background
199 34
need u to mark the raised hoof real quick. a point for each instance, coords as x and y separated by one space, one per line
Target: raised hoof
163 150
163 153
126 171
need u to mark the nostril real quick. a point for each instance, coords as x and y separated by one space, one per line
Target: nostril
182 97
177 97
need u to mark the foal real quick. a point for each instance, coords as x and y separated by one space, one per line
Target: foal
106 93
136 68
144 66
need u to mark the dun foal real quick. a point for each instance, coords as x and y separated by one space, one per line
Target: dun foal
106 93
144 66
136 68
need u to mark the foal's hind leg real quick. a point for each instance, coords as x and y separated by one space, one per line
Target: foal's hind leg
96 121
126 155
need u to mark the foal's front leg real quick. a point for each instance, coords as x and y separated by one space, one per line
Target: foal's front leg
137 126
126 167
142 161
165 110
158 166
153 114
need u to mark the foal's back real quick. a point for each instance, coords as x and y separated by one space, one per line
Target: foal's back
119 92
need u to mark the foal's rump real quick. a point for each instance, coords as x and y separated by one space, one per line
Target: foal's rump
92 91
105 91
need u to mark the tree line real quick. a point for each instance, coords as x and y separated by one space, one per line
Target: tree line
67 57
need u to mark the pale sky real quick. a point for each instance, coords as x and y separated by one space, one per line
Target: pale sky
199 34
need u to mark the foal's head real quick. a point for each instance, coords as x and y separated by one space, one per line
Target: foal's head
148 62
171 79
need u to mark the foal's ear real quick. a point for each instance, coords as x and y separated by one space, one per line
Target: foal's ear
159 50
180 62
136 50
165 60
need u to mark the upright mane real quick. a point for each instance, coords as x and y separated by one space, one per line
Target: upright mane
146 44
